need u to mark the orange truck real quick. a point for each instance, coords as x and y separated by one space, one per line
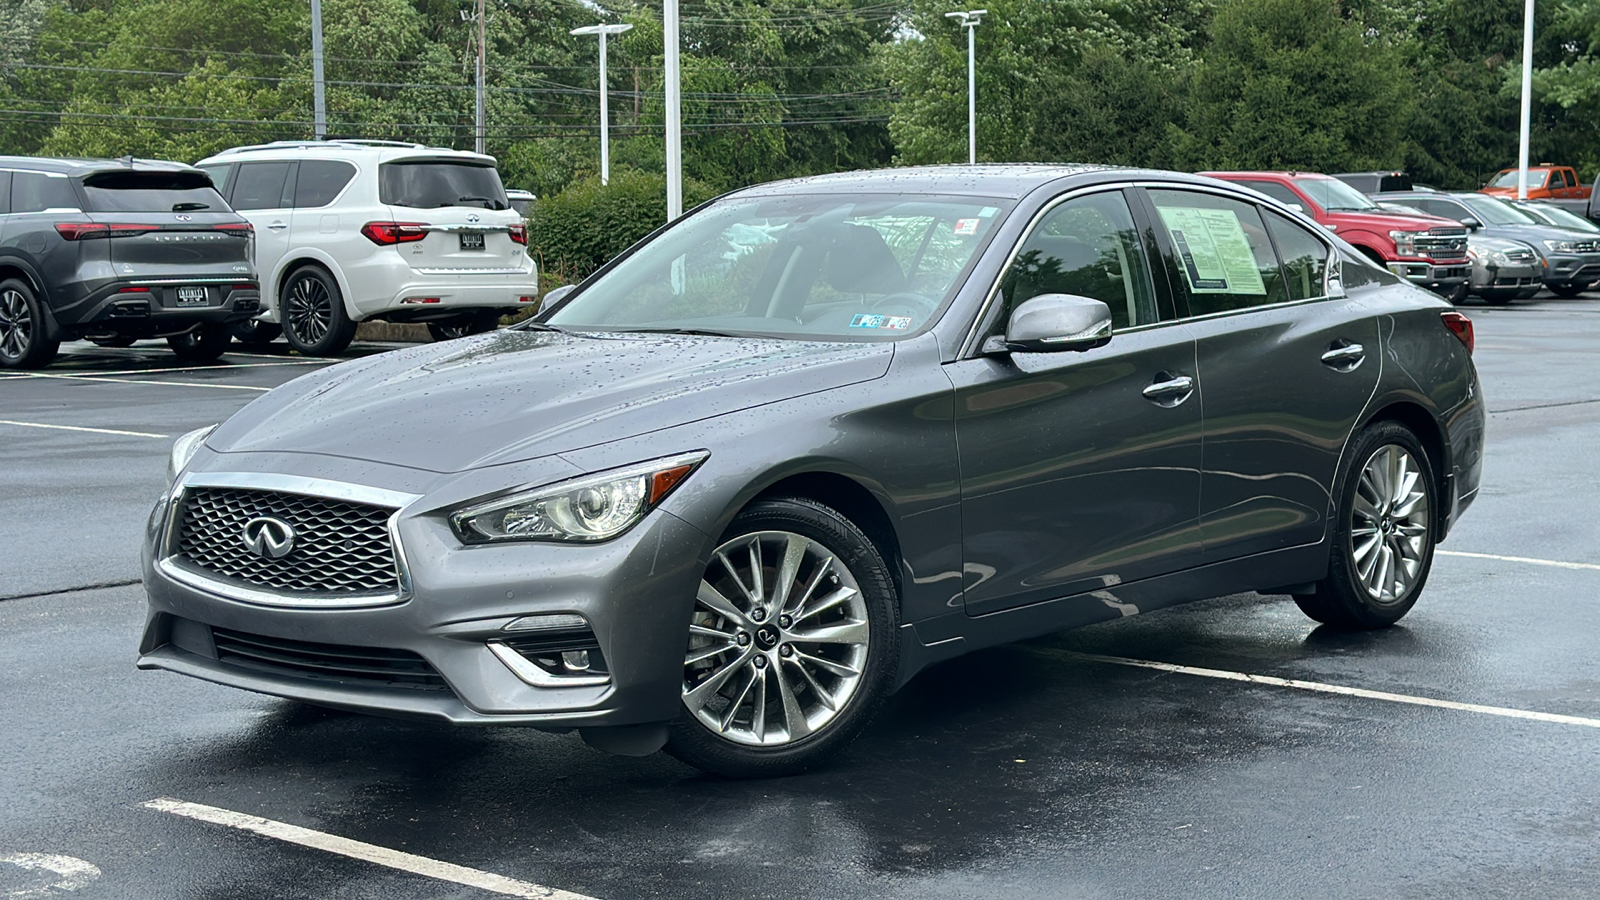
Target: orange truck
1545 182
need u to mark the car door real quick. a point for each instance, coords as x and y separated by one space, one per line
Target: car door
315 223
1079 470
263 192
1286 369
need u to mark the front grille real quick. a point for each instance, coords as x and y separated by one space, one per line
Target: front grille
1520 256
1585 246
1443 243
368 666
339 547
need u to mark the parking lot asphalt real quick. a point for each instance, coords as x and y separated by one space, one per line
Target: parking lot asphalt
1451 756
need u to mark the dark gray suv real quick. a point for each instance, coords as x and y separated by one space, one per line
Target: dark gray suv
113 251
814 437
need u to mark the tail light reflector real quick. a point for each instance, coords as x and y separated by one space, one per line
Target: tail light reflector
519 234
385 233
420 300
1461 327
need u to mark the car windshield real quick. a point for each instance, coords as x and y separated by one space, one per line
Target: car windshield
152 192
1508 179
816 267
1331 193
432 184
1555 215
1490 211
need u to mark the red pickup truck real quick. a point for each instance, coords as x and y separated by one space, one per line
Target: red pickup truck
1545 182
1426 250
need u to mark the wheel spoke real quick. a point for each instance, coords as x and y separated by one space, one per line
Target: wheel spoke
712 633
827 665
727 565
713 600
842 595
758 590
1364 550
732 712
823 694
702 692
794 718
816 580
794 550
849 632
758 712
696 656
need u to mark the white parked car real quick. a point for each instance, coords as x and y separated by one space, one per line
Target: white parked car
352 230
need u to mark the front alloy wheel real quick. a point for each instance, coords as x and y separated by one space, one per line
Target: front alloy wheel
790 644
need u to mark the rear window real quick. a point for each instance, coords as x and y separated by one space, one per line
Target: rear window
430 184
151 192
320 182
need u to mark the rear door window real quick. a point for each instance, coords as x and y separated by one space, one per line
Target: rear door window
151 192
262 185
320 181
37 192
1219 252
432 184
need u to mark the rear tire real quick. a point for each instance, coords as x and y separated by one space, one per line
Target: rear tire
22 341
789 657
203 344
1384 537
1567 291
312 312
475 322
255 333
1458 293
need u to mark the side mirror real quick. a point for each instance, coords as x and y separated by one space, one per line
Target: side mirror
1296 207
1050 323
552 297
1472 224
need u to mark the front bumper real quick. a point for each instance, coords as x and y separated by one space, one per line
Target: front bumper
635 592
1514 280
1572 269
1441 278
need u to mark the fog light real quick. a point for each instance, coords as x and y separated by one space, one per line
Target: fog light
575 660
548 622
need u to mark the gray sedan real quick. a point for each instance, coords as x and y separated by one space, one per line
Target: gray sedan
753 475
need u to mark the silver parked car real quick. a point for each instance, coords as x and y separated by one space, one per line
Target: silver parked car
815 436
1504 270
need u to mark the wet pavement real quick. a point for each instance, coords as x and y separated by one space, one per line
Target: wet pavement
1025 771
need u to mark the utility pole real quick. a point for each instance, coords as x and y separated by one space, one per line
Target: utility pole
477 106
969 20
319 96
674 112
605 92
1527 99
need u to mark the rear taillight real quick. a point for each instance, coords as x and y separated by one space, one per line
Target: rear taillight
79 231
242 287
243 229
519 234
385 233
1461 327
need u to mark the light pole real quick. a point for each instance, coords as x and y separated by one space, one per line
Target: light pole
605 90
1527 100
478 113
969 20
319 101
674 111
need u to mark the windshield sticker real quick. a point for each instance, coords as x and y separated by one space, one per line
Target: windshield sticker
893 323
988 212
1216 255
966 226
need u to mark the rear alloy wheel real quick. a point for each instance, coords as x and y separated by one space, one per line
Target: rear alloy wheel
22 341
255 332
791 645
314 319
204 344
475 322
1383 547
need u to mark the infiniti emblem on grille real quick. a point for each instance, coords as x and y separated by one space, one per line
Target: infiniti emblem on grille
268 538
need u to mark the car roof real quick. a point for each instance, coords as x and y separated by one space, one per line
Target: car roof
350 149
65 165
999 180
1282 174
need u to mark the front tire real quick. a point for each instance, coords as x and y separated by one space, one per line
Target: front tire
1383 544
204 344
792 644
22 341
1567 291
255 333
313 314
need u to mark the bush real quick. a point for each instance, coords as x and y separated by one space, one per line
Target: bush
579 229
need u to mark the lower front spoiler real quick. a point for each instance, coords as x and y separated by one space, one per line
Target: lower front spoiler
396 703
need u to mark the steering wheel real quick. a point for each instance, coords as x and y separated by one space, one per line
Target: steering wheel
917 304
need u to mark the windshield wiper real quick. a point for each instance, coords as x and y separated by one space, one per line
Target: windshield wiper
188 205
488 202
530 325
703 332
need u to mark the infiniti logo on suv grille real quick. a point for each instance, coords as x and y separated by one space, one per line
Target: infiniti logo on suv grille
268 538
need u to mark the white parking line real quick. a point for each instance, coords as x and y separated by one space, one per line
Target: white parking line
226 368
1319 687
383 856
201 384
1520 559
82 428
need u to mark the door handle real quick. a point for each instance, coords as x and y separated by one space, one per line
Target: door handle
1169 389
278 226
1344 356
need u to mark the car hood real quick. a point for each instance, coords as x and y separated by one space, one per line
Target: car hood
1386 220
1536 233
518 394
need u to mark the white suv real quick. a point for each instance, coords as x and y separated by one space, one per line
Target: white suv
353 230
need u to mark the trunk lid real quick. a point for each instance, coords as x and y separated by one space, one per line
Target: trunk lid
467 224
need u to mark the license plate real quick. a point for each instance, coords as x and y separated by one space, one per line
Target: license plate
191 296
472 240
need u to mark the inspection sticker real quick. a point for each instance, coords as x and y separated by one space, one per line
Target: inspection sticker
893 323
966 226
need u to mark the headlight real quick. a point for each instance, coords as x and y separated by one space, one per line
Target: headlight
184 449
1559 246
591 508
1498 258
1405 242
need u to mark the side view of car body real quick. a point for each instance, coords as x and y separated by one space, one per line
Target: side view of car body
1545 182
117 250
354 230
816 436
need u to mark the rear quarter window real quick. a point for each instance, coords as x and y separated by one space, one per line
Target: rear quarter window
151 192
432 184
320 181
37 192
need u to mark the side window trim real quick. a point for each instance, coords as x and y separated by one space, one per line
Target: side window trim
972 344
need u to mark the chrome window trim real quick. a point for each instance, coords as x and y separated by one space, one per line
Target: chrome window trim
169 565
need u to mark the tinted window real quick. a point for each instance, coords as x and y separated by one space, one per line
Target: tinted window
36 192
1222 256
261 186
151 192
219 175
1276 191
1305 258
5 192
320 181
1490 211
1331 193
1446 208
432 184
1088 247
